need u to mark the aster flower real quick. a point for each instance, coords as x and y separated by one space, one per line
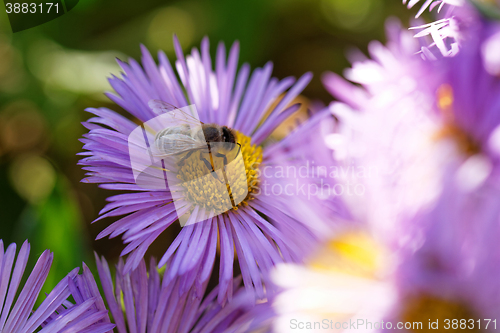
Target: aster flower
261 228
17 315
434 137
383 128
450 255
445 273
416 122
142 301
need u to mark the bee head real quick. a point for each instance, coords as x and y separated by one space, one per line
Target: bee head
228 135
222 134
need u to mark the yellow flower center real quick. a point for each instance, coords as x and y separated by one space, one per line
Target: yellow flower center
229 186
352 252
451 130
449 315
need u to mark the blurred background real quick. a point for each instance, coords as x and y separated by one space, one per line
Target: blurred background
49 74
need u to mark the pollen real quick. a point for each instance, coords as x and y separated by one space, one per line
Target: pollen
231 185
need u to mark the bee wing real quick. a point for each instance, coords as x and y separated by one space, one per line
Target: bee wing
169 112
176 143
160 107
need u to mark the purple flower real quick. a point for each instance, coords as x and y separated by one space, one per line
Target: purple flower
450 257
415 122
262 229
432 131
55 314
385 129
446 268
146 302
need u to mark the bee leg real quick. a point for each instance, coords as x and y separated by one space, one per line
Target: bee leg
181 162
239 149
223 156
210 168
225 177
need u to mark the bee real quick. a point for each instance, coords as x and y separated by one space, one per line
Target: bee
186 134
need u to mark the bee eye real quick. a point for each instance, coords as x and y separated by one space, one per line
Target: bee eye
226 134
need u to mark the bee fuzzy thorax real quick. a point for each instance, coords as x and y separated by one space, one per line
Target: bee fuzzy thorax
216 133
